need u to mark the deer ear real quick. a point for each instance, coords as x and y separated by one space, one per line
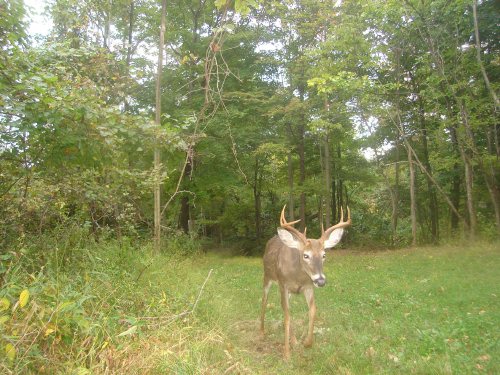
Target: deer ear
334 238
288 239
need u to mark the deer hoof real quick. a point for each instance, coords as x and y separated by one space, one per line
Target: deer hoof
308 343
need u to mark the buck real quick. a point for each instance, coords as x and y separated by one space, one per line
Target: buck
295 263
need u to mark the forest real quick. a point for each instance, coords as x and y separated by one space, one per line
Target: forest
140 133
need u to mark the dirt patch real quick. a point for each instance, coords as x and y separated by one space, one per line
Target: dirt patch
247 336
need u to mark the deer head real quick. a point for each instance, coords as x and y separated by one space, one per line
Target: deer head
312 251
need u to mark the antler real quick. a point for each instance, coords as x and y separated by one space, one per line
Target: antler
289 226
340 224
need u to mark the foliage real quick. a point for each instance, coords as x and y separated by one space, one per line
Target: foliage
289 80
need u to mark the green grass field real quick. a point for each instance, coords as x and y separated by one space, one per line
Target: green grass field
121 311
421 311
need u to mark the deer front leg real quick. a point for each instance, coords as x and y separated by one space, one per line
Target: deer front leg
293 339
309 294
286 313
267 286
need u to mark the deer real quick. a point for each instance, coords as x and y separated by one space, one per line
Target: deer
295 263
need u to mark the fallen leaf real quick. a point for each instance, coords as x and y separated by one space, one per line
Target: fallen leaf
24 298
370 352
129 331
4 304
10 352
393 358
484 357
49 331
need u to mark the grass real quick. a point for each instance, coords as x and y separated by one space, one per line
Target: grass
423 311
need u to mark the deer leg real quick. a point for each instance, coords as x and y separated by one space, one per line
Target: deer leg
293 339
309 294
286 312
267 286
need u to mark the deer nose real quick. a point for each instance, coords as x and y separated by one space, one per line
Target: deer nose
319 282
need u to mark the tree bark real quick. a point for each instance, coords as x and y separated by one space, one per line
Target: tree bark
334 190
395 194
157 156
302 176
185 209
433 205
469 192
340 183
291 202
413 200
328 202
257 200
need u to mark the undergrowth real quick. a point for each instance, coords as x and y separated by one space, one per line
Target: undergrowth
69 304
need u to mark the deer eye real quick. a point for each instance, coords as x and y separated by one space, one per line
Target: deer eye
306 256
324 256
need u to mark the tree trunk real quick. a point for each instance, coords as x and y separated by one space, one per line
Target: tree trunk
340 184
334 191
456 182
395 195
455 196
488 174
257 201
413 200
302 177
431 191
469 176
185 210
157 156
328 202
291 202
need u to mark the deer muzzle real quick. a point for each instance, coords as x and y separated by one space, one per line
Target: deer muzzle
319 281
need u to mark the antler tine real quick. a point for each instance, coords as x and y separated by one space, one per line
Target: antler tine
340 224
289 226
283 221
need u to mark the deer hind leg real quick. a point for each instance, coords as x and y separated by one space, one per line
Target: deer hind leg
286 313
309 294
267 286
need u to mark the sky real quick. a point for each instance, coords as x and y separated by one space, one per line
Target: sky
38 23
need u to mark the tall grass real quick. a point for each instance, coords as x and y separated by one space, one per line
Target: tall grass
68 303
